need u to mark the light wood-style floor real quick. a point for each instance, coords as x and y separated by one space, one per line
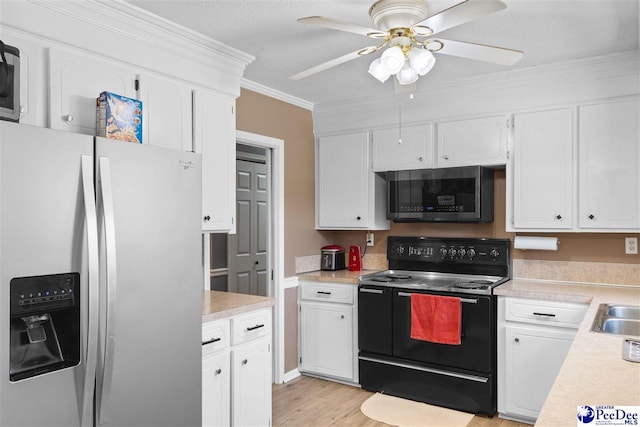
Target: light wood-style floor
308 401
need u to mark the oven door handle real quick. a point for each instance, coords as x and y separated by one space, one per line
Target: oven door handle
371 291
464 300
459 375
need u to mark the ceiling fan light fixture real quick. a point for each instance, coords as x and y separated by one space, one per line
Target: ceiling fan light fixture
421 60
407 75
377 70
392 59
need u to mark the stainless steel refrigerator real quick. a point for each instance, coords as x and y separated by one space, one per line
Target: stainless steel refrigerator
100 280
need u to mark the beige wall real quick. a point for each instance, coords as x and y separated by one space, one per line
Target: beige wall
267 116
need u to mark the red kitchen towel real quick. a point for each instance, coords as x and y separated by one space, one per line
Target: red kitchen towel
436 318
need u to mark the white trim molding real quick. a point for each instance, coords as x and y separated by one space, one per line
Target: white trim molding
290 282
277 217
291 375
276 94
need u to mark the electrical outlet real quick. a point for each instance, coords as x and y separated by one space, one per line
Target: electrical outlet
370 241
631 245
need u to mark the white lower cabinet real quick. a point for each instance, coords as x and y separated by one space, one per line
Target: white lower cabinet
236 370
251 383
328 330
534 337
216 381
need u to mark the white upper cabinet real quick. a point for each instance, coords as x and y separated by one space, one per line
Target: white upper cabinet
543 170
348 194
214 137
75 81
166 112
481 141
402 149
609 154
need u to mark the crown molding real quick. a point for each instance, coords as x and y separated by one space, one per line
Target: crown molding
273 93
122 32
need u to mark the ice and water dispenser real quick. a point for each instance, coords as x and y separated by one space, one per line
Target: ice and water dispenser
45 324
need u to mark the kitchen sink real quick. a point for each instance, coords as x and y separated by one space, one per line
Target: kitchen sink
624 311
617 319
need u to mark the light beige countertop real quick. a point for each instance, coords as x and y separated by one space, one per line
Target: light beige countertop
339 276
220 305
593 372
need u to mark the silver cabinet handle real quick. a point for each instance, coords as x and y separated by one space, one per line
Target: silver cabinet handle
211 341
68 118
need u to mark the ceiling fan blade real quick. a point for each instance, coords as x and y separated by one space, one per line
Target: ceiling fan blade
462 12
336 24
480 52
337 61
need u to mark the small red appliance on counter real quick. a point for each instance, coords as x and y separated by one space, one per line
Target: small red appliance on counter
355 259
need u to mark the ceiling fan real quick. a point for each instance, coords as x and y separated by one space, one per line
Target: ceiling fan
406 30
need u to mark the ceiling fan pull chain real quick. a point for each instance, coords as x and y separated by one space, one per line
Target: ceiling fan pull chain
399 123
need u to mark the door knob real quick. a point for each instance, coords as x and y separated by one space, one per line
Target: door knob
245 361
68 118
591 216
558 216
517 340
218 371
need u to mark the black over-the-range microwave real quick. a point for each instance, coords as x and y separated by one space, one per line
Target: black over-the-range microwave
463 194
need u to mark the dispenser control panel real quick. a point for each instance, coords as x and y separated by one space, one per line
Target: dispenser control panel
44 293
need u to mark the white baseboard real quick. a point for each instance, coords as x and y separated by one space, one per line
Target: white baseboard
291 375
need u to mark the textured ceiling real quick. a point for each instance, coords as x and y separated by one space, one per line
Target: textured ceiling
547 31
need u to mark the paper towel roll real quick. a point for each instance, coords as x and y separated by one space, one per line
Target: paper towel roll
536 243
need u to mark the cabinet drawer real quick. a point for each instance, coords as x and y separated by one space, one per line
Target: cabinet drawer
215 336
250 326
320 291
552 313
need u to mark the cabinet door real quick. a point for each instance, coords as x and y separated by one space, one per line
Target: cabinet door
75 81
409 148
609 146
166 112
543 170
342 181
533 359
251 383
480 141
326 339
214 137
216 389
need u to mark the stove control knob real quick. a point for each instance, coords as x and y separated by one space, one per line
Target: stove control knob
494 253
443 251
452 252
400 250
461 252
471 253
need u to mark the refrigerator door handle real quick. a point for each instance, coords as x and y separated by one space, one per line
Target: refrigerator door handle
105 377
92 290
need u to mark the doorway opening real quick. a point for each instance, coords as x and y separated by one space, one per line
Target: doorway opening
259 219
